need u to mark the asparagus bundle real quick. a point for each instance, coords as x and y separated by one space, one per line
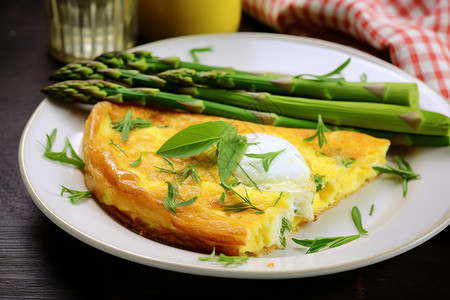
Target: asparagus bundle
400 93
145 62
92 91
378 116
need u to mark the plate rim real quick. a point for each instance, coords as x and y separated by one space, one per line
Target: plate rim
211 271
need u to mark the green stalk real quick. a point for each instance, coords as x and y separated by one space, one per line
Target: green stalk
145 62
401 93
377 116
93 91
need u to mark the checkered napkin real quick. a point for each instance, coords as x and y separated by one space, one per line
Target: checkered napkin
416 32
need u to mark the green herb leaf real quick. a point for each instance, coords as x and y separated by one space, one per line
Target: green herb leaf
249 178
278 199
328 76
404 171
371 209
321 243
222 198
194 139
112 143
128 124
197 138
286 227
224 259
137 161
241 206
184 173
194 51
172 193
356 216
75 196
321 128
230 151
62 156
266 158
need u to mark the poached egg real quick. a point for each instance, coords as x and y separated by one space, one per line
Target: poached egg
288 173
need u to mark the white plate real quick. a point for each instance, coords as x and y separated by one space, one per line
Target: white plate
396 225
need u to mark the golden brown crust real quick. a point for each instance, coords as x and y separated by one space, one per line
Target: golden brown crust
137 201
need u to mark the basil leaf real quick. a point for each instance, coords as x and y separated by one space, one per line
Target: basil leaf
194 139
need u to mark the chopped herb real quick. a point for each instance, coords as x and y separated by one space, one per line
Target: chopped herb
137 161
74 195
404 171
278 199
168 161
266 158
371 209
224 259
241 206
62 156
286 226
194 51
320 243
319 182
128 124
172 194
320 133
346 161
222 198
184 173
111 142
249 178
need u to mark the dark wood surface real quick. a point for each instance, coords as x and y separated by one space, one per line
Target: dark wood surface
38 260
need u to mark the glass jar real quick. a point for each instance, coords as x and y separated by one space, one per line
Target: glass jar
84 29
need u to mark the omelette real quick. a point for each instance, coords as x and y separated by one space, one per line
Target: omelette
281 180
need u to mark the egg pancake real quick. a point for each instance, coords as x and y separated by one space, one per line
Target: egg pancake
133 183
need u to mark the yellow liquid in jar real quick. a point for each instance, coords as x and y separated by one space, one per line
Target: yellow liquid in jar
159 19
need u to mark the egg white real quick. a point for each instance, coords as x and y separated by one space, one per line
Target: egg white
288 173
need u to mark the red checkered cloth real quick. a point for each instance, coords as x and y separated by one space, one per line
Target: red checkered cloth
416 32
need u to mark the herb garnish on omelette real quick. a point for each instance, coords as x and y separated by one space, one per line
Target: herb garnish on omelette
241 203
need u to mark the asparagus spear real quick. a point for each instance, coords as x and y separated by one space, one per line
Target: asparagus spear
401 93
348 113
92 91
145 62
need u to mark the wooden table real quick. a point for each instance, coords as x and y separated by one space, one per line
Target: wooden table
39 260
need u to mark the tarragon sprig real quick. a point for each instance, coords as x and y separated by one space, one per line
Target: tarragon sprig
321 243
224 259
241 206
62 156
320 133
404 171
172 194
266 158
190 170
128 124
74 195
